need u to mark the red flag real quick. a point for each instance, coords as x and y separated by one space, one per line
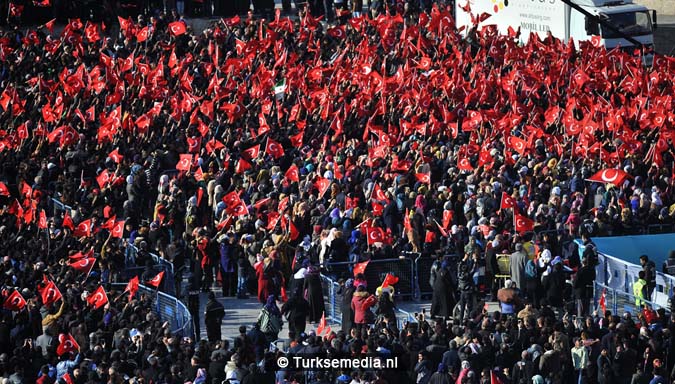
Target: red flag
156 281
117 230
14 302
322 185
3 190
50 25
464 164
68 222
522 223
293 174
50 293
98 298
83 265
507 201
177 28
389 279
103 178
143 34
274 149
448 215
242 166
494 379
185 162
375 235
360 267
68 379
292 230
602 303
132 287
322 324
251 153
83 228
42 222
67 344
518 144
610 175
423 178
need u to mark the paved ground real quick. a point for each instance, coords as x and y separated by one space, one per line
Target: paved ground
245 312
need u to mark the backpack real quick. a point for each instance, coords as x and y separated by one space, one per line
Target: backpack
269 323
530 270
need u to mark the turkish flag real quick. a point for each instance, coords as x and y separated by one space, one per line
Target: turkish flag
177 28
3 190
251 153
322 185
50 293
263 126
83 265
103 178
143 34
156 281
360 267
389 279
423 178
68 379
68 222
464 164
14 302
610 175
67 344
118 230
522 223
518 144
132 287
242 166
98 298
273 218
292 173
274 149
239 209
231 199
185 162
296 139
42 222
378 193
378 209
83 228
375 235
322 324
507 201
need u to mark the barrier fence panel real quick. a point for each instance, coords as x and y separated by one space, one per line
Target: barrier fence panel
403 268
168 308
423 272
332 300
620 302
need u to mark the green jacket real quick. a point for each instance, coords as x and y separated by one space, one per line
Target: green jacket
639 291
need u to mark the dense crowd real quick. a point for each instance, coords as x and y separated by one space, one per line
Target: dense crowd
254 153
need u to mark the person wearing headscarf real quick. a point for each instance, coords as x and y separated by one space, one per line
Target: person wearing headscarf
314 294
270 321
442 299
296 309
346 292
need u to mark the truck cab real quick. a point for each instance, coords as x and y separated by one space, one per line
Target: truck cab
631 19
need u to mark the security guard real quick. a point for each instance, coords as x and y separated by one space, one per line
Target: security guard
193 307
640 289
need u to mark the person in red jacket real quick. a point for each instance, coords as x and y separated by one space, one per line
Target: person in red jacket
361 303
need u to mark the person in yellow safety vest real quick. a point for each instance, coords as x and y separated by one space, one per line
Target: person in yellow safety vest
640 289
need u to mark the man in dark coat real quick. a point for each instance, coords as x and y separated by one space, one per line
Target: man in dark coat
213 317
583 287
347 291
314 294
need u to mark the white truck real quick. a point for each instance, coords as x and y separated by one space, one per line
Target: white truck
565 19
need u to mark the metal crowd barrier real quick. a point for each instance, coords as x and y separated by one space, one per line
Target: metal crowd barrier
620 302
168 283
423 272
168 308
403 268
333 302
